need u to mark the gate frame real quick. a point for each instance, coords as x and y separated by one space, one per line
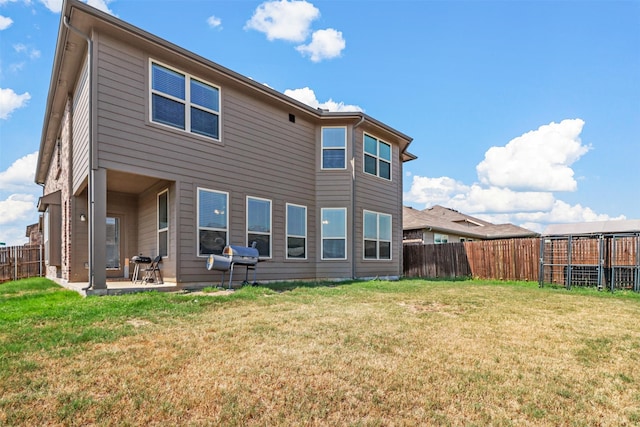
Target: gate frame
603 257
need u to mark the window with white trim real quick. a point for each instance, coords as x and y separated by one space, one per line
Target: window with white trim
334 233
163 223
334 148
213 221
377 235
259 225
377 157
440 238
184 102
296 231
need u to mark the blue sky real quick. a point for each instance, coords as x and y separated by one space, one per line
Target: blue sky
521 111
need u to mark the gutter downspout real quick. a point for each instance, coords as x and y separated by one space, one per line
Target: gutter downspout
353 196
91 191
41 262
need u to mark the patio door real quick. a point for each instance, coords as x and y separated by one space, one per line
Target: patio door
113 243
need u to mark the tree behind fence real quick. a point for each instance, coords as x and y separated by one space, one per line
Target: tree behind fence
511 259
20 262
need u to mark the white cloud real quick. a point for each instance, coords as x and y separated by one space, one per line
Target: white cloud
17 207
101 5
56 5
308 96
53 5
22 48
14 235
284 20
538 160
10 101
16 212
563 212
214 22
559 213
514 182
435 191
5 22
16 67
20 175
325 44
494 199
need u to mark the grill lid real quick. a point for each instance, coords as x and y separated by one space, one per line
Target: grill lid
241 254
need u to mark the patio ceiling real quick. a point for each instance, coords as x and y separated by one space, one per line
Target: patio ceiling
123 182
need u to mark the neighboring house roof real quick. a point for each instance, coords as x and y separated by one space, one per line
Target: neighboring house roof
594 227
87 19
449 221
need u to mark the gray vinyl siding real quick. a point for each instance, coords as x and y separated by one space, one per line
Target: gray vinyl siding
80 123
261 154
334 190
382 196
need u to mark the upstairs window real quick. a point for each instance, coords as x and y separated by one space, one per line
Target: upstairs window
377 157
183 102
334 147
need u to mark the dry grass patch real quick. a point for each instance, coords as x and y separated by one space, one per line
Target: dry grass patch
379 353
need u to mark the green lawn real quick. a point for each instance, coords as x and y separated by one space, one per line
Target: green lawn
412 352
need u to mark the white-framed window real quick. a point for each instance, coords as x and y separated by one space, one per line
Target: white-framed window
377 157
440 238
334 147
296 231
183 102
334 233
213 221
259 225
377 235
163 223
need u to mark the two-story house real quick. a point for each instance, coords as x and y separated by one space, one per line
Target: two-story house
150 149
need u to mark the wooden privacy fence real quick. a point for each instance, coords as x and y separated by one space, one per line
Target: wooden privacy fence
511 259
446 260
20 262
508 259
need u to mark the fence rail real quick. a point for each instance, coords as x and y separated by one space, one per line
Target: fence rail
21 262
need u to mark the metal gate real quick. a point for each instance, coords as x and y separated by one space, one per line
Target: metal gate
607 261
